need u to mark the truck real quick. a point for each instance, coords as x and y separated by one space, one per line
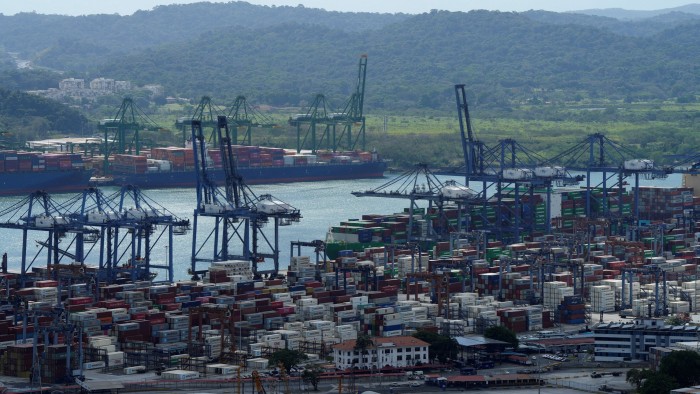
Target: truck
601 374
607 389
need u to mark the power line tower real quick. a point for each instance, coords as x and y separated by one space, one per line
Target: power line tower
238 215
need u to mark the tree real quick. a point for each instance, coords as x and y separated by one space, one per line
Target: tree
683 366
312 376
501 333
678 319
362 343
637 376
287 358
658 383
442 347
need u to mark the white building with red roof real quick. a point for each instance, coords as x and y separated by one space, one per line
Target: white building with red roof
394 352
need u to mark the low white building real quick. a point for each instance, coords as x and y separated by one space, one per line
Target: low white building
395 352
634 340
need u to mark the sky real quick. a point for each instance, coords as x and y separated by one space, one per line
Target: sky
128 7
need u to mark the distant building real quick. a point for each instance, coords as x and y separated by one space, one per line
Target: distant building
634 340
396 352
103 84
71 84
122 85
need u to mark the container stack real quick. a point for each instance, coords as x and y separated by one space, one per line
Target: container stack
230 270
692 289
14 161
602 299
129 164
661 203
301 270
554 293
17 360
679 306
572 310
534 318
392 324
513 319
180 158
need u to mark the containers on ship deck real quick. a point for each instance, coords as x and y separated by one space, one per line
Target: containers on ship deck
14 161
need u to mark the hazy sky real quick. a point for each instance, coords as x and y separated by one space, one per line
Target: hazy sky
127 7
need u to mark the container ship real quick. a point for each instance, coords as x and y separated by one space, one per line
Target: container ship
174 166
26 172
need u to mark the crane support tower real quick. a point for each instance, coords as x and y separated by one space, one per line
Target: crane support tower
239 216
122 132
320 116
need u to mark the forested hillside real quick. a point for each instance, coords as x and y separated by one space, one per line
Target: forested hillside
282 56
504 58
27 116
77 43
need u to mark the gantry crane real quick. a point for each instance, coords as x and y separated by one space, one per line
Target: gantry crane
238 214
124 228
597 154
206 112
352 114
121 132
40 213
420 184
439 288
220 313
319 250
507 170
320 113
243 117
660 295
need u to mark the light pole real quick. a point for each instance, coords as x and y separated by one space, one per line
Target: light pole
537 365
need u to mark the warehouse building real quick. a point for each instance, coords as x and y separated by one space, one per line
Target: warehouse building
633 340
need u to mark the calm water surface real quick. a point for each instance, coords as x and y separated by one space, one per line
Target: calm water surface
322 205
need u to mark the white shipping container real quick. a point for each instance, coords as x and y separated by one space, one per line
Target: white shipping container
179 374
134 370
94 365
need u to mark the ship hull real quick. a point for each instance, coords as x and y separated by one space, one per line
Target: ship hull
21 183
258 175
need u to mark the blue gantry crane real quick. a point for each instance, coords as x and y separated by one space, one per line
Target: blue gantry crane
239 216
508 173
615 163
420 184
39 213
119 232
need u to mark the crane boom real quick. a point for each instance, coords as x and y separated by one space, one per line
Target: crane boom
469 142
